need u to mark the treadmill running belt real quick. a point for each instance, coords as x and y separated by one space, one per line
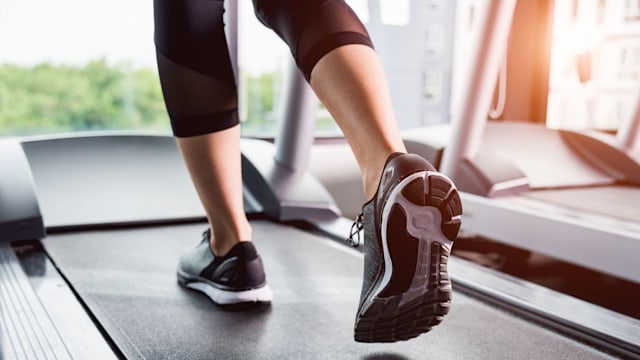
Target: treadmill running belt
127 279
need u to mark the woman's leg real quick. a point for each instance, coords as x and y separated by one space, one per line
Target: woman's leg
333 50
200 94
199 89
350 82
413 214
213 161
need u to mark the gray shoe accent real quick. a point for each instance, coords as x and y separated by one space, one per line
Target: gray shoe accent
195 259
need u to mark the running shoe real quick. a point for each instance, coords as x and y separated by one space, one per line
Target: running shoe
237 277
409 227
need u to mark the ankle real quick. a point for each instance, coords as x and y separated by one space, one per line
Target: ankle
372 174
223 238
370 185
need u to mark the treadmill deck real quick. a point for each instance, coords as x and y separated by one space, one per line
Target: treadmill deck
130 287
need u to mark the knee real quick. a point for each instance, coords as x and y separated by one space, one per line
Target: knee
312 28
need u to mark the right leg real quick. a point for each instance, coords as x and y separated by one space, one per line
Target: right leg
413 215
335 54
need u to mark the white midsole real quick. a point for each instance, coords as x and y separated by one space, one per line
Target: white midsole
428 235
224 297
263 294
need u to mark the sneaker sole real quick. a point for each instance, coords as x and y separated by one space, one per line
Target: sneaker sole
225 297
432 221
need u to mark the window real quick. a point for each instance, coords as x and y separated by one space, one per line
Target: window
83 65
67 66
434 40
632 10
601 11
433 85
394 12
612 46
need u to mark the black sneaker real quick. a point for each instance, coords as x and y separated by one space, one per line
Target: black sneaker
409 228
237 277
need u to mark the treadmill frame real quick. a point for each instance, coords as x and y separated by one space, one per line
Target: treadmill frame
596 242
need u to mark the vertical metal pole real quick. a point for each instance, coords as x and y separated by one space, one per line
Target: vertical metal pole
629 133
375 19
231 31
295 137
490 48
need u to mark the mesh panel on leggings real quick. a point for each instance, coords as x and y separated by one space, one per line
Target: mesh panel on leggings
194 66
312 28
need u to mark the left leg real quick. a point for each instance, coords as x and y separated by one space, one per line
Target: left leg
199 89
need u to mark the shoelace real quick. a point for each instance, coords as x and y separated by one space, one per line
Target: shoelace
354 234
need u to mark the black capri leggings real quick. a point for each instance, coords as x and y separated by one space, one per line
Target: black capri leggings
193 58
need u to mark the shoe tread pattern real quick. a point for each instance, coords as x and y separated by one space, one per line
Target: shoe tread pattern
425 303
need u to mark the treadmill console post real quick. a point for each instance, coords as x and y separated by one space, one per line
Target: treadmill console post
20 217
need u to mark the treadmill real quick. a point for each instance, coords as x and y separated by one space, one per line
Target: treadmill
92 236
569 195
92 225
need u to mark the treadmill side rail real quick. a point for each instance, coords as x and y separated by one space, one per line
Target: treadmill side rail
599 243
26 331
602 151
20 217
